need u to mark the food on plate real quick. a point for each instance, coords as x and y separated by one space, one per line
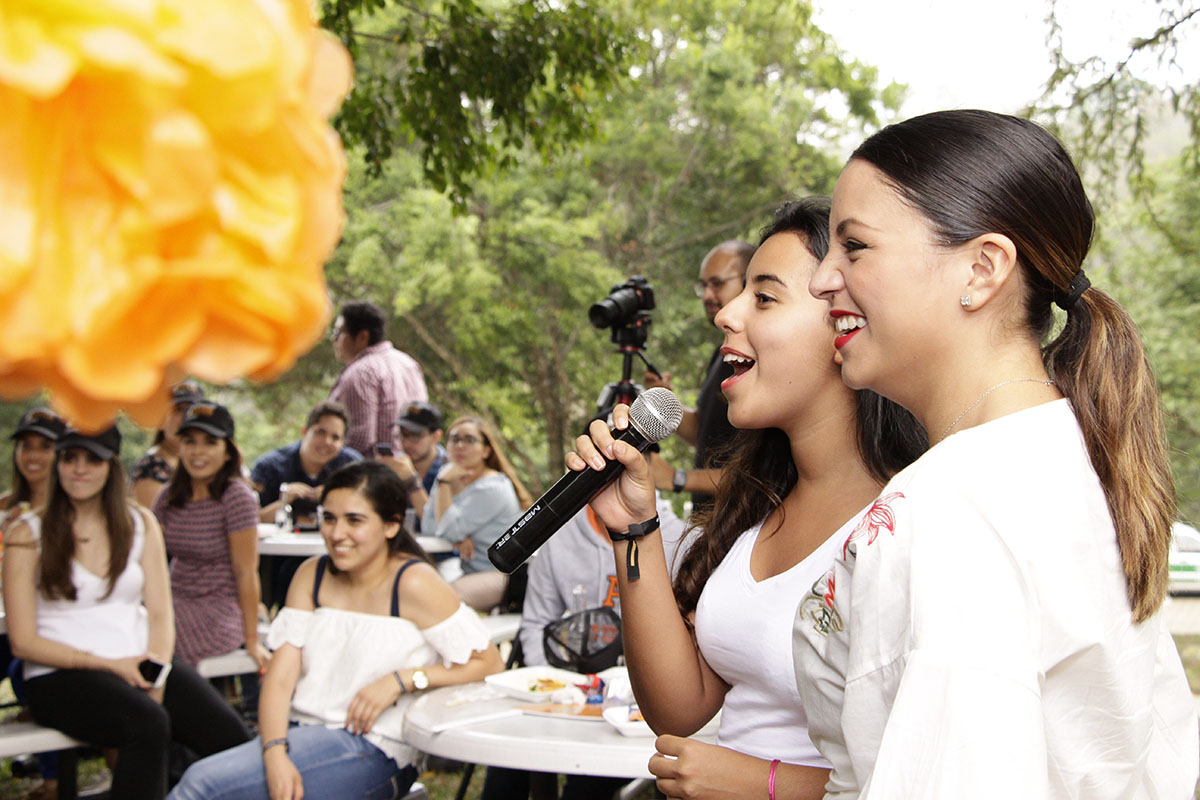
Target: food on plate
546 685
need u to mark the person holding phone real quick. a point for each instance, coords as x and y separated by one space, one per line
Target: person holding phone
88 605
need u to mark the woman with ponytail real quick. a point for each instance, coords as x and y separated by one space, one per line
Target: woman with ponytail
989 626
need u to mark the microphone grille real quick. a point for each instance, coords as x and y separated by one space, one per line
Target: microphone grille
656 413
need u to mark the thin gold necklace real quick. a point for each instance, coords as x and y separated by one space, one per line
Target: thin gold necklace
959 418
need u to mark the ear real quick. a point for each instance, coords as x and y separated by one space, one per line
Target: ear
437 435
993 264
391 529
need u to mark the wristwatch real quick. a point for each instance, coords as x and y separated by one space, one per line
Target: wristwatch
680 480
420 680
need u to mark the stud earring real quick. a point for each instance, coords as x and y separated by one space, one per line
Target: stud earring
965 301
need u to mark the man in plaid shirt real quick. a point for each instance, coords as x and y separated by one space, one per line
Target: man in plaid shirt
377 381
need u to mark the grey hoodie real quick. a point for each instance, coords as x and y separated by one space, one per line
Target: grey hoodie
577 556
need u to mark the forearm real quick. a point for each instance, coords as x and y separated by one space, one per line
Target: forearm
676 691
267 512
479 666
689 426
442 500
55 654
161 642
249 594
274 703
704 481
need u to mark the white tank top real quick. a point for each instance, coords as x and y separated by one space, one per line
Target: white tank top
744 630
116 626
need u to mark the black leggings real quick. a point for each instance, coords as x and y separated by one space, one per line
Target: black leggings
102 709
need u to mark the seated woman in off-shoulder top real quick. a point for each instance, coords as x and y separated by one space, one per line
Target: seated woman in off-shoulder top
365 629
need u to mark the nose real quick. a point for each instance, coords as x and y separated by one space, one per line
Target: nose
729 318
827 279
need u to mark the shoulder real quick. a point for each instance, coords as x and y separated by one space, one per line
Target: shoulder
273 459
299 594
238 490
424 595
23 532
348 455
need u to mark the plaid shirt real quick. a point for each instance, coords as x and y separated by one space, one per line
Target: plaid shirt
374 387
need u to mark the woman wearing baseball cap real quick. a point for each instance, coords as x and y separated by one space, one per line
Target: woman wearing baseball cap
33 452
89 610
153 470
210 522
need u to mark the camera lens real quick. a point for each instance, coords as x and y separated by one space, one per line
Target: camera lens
621 304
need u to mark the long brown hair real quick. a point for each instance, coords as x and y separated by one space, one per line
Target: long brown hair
58 540
179 490
497 460
975 172
759 470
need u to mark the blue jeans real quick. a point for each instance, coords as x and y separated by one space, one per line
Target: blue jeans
333 764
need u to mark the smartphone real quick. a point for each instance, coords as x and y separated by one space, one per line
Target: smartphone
154 672
383 449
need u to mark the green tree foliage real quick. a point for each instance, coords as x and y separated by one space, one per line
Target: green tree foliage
1147 255
1106 108
728 108
468 82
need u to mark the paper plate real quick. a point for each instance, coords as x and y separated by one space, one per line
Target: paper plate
533 684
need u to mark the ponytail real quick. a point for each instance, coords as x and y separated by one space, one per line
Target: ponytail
1098 362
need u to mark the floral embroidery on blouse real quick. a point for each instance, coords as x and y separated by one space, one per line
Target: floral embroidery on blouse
876 518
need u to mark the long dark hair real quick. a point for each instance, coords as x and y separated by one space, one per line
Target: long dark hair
58 540
976 172
22 492
759 470
385 492
179 490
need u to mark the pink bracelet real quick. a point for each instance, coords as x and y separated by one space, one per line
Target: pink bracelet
771 779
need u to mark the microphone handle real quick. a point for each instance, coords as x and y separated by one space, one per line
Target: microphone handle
553 509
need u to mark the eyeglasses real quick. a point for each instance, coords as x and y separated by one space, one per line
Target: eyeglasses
335 332
713 283
465 438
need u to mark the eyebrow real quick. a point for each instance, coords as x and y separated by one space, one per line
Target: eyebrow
848 221
767 277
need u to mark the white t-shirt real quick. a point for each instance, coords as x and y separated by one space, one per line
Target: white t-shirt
973 638
743 630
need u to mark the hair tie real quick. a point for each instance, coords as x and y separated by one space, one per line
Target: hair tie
1066 300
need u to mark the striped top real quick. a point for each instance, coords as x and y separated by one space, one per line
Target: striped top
379 382
208 618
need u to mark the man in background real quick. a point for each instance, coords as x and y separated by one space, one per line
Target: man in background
722 275
377 381
293 475
422 457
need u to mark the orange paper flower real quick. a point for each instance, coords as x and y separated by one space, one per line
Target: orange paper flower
169 193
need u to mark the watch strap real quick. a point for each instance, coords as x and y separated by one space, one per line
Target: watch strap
680 480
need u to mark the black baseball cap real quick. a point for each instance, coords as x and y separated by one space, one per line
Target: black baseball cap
104 445
186 392
420 418
212 418
42 421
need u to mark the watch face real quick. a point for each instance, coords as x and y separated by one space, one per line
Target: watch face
420 680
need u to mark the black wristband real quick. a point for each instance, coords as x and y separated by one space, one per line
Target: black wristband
636 531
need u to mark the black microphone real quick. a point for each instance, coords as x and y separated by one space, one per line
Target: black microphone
654 415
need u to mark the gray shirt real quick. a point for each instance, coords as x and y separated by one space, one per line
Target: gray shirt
577 556
481 512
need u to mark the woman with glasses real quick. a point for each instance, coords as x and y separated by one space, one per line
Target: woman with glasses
476 498
153 470
88 607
